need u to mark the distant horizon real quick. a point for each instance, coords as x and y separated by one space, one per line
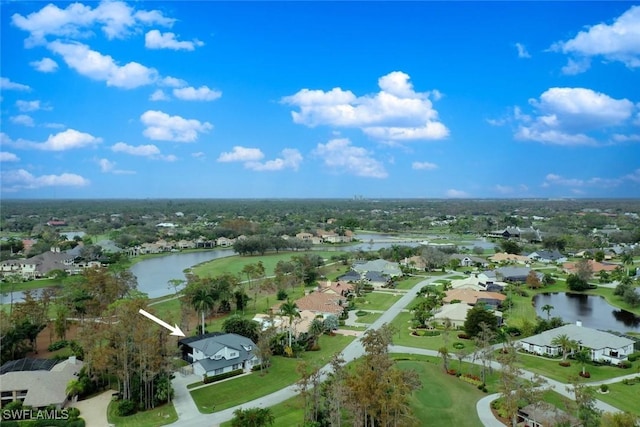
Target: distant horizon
320 100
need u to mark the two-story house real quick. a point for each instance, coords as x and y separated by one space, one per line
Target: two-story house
217 353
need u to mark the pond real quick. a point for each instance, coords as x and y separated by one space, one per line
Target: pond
154 274
592 310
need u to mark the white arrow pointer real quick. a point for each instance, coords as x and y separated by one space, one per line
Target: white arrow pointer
175 330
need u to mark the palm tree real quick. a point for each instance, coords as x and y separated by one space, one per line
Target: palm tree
548 308
565 343
290 309
627 259
202 301
583 356
316 328
444 353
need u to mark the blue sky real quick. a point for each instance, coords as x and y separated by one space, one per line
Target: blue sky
320 99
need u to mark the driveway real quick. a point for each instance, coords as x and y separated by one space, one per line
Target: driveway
94 409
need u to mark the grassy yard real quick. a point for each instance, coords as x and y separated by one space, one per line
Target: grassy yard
368 318
552 369
282 373
622 396
378 301
409 282
163 415
235 264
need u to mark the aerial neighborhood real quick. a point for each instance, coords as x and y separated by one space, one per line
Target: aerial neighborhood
191 312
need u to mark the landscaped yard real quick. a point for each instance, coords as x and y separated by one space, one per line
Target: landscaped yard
165 414
281 374
552 369
378 301
622 396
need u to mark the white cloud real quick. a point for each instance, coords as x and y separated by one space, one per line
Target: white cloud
149 150
618 41
6 84
67 140
14 180
163 127
574 67
241 154
116 19
45 65
577 183
172 82
22 119
27 106
158 95
54 125
522 51
198 155
203 93
456 194
633 176
100 67
396 112
424 166
342 157
6 156
565 116
626 138
154 39
291 159
107 166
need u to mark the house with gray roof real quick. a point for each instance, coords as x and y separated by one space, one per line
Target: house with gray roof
217 353
603 346
37 382
547 256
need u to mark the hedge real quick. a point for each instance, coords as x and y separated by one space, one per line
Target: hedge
219 377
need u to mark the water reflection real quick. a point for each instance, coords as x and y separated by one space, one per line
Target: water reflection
592 310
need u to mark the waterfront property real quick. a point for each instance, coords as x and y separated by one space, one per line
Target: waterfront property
218 353
603 346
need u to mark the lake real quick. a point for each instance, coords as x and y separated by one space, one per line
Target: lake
592 310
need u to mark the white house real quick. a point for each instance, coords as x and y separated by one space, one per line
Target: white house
217 353
604 346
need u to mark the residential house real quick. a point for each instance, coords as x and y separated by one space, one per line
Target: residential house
472 297
515 274
38 383
469 261
40 265
596 267
529 233
456 313
350 276
224 242
377 272
281 323
603 346
323 303
109 247
506 258
547 256
217 353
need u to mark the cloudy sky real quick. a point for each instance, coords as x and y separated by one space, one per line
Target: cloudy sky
315 99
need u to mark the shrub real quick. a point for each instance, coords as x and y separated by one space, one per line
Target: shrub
451 372
625 364
58 345
361 313
207 379
458 345
463 336
585 374
126 407
604 388
282 295
634 356
565 363
431 333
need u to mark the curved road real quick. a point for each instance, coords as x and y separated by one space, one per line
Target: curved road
188 414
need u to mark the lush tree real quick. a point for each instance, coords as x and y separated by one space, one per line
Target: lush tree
627 259
584 270
477 315
252 417
585 400
331 323
565 343
510 247
619 419
532 281
547 308
582 356
290 309
202 301
237 324
576 284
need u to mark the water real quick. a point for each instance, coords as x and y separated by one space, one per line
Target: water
592 310
154 274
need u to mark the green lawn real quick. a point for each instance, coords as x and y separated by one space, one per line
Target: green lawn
622 396
378 301
282 373
235 264
163 415
368 318
552 369
409 282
